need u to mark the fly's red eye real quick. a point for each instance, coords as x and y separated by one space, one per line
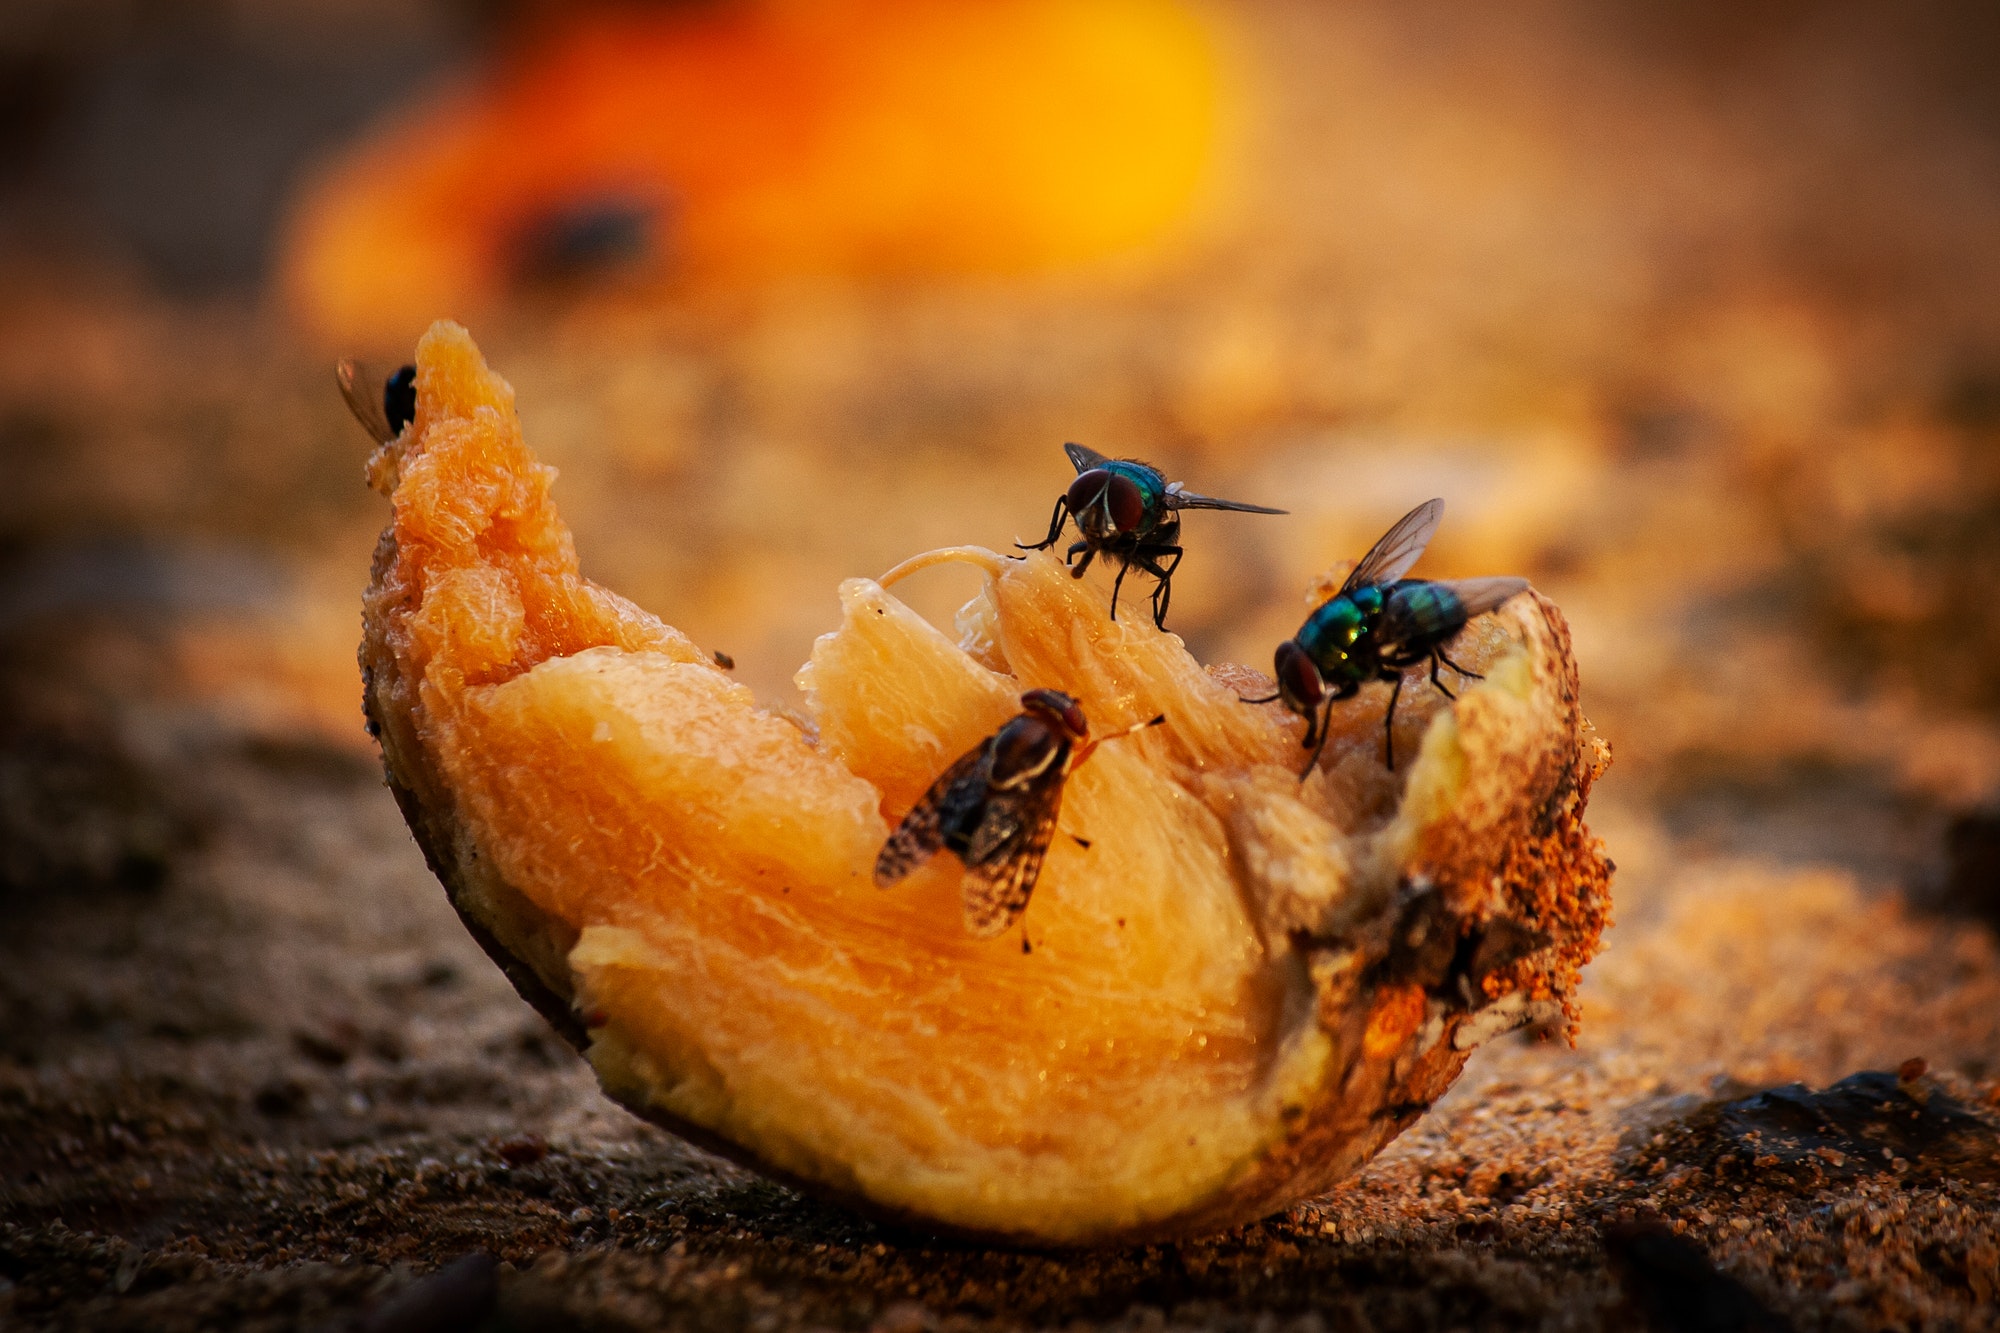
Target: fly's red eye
1127 506
1059 709
1298 679
1087 489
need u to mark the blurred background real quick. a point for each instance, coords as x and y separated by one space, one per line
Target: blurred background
1691 311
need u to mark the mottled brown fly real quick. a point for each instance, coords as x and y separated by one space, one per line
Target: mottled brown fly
996 809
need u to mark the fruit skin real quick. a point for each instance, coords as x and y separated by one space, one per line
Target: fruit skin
1489 827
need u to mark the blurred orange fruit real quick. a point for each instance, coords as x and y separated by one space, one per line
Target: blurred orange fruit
748 139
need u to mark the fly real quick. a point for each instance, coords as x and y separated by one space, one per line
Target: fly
1128 509
996 809
1375 627
384 411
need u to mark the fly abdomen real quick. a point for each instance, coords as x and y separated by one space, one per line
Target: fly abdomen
1418 613
961 811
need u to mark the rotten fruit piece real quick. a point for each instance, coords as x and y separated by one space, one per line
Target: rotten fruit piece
1241 986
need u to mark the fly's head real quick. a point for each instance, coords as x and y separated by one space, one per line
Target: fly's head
399 398
1106 504
1300 685
1059 711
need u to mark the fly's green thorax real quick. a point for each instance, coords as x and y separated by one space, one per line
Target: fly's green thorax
1152 484
1339 636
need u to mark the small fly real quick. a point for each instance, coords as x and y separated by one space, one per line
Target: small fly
996 809
384 411
1378 624
1130 510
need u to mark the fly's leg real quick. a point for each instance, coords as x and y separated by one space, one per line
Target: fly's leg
1055 526
1437 660
1163 593
1389 725
1323 725
1089 554
1325 721
1124 568
1469 675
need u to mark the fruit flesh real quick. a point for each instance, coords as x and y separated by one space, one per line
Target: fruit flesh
697 872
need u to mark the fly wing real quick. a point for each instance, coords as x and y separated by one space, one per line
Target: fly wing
1005 816
1478 596
1003 857
361 385
996 889
1390 558
1180 499
1084 459
921 833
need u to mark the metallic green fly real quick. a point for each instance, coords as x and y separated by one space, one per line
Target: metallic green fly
1128 510
996 809
1378 625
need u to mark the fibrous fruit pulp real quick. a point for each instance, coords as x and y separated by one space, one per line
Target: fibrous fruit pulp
1240 986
